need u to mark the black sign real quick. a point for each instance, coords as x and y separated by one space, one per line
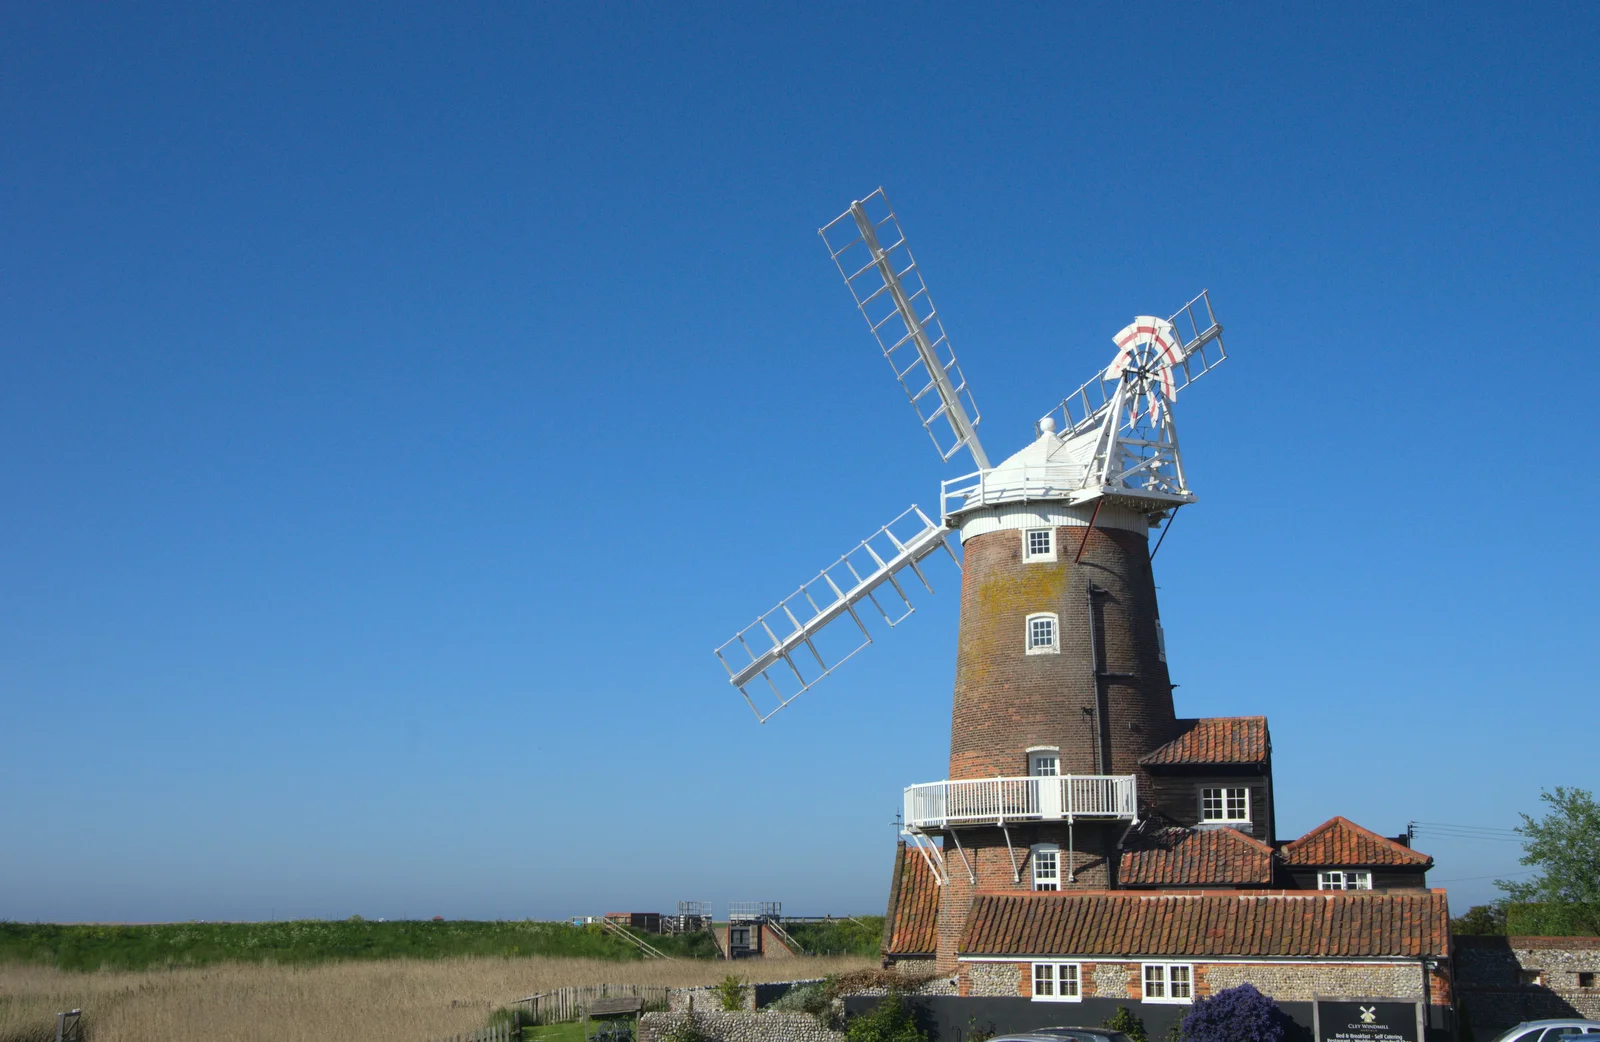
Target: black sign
1360 1021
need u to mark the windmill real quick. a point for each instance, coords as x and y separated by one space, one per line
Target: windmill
1112 443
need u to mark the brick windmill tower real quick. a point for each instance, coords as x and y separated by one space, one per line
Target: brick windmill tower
1061 676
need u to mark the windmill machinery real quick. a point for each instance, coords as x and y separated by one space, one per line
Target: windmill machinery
1116 438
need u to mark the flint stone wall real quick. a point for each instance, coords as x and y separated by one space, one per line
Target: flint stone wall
743 1026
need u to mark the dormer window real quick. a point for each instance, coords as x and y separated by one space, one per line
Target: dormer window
1225 805
1344 879
1039 544
1042 634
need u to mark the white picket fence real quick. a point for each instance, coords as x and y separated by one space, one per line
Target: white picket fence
564 1004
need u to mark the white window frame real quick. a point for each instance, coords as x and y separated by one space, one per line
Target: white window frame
1038 556
1051 976
1052 879
1054 647
1345 879
1226 799
1051 753
1164 980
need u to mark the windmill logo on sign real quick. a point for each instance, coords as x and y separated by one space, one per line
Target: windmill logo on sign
1114 438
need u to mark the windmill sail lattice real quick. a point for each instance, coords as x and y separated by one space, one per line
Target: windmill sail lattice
868 245
778 657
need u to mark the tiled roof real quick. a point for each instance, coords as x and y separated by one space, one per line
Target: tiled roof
1340 841
1223 739
1195 857
1295 924
912 928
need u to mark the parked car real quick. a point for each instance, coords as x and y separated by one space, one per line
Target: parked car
1548 1030
1064 1035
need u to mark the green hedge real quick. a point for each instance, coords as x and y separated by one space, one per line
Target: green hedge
862 935
89 947
1546 919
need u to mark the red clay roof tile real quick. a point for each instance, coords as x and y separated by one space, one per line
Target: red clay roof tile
914 920
1340 841
1196 857
1281 924
1223 739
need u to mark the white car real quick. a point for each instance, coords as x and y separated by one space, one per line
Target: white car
1549 1030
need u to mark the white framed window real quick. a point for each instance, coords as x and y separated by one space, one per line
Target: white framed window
1056 982
1042 634
1168 982
1225 804
1038 544
1046 867
1044 763
1344 879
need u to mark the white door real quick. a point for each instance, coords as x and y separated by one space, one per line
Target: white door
1046 767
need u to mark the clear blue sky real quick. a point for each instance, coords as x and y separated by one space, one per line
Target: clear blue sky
397 405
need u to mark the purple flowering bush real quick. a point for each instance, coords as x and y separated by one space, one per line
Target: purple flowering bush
1239 1014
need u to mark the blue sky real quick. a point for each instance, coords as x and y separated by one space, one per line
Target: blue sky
397 405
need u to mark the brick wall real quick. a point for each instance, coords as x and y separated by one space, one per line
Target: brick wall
1285 982
992 863
1007 700
765 1026
1503 981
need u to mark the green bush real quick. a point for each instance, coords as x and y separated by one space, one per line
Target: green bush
684 1031
1124 1021
730 993
1550 919
890 1020
862 935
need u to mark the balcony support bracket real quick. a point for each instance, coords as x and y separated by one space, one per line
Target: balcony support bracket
1016 870
920 840
971 875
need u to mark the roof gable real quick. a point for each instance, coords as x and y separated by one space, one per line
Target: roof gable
1340 841
1281 924
913 923
1195 857
1222 739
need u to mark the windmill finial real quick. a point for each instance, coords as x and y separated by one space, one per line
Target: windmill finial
1048 425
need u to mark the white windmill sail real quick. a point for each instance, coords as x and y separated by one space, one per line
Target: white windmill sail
868 245
784 652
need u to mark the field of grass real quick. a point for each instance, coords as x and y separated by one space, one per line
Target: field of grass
93 947
361 1000
858 936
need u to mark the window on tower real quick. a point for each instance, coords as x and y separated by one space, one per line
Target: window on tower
1042 638
1044 763
1047 867
1225 804
1039 544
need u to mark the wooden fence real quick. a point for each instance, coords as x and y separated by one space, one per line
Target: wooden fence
504 1032
563 1004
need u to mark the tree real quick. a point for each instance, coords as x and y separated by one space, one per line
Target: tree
1481 919
1239 1014
1124 1021
891 1020
1565 844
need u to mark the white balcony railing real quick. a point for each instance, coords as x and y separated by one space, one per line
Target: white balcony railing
997 801
1015 484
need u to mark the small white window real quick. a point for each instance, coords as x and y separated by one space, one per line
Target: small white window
1042 638
1056 982
1344 879
1045 763
1039 544
1047 867
1225 804
1168 982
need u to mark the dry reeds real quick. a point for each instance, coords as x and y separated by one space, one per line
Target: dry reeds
397 1000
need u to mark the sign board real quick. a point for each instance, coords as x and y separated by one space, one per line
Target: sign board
1368 1020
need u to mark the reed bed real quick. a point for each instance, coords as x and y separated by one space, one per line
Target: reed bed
394 1000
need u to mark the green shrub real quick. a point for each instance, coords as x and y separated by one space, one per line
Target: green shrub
890 1020
684 1031
1124 1021
730 993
